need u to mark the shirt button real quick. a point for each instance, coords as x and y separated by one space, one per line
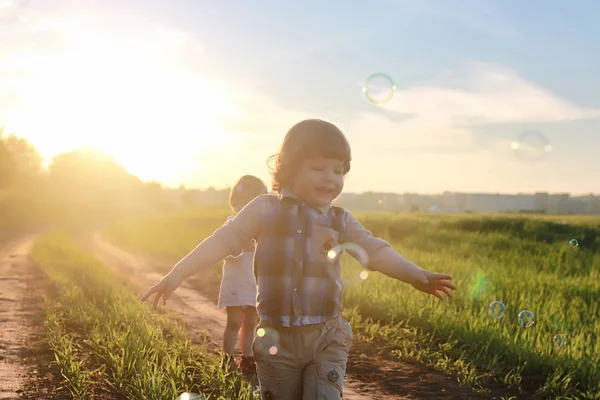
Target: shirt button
333 375
299 230
295 289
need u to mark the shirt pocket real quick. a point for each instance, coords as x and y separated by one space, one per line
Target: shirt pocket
322 241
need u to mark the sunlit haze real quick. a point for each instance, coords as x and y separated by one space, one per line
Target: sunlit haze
202 92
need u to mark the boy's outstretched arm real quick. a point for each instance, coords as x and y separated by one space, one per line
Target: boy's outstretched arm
389 262
383 258
230 239
209 252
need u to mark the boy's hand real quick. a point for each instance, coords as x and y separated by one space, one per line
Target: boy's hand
433 283
164 288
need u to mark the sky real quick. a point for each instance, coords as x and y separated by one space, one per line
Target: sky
486 95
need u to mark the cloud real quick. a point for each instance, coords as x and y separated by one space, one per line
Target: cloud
433 136
491 94
439 117
449 115
482 16
260 115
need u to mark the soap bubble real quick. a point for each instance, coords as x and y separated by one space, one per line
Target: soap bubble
153 383
497 309
273 350
353 249
189 396
560 340
531 146
379 88
574 243
526 319
364 275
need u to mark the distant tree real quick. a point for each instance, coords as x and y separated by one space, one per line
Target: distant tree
22 201
153 186
156 197
593 207
26 158
7 167
88 169
91 185
190 198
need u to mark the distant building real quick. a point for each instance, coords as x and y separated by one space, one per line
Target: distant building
499 202
454 202
449 202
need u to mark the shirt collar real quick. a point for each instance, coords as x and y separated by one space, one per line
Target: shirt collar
288 193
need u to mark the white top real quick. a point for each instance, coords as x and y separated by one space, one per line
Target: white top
238 286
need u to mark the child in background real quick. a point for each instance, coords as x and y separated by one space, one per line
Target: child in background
302 344
238 286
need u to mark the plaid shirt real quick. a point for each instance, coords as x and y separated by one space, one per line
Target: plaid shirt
297 284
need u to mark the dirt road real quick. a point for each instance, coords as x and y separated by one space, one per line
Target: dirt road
16 274
370 376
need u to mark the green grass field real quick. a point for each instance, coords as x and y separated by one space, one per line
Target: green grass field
526 262
108 343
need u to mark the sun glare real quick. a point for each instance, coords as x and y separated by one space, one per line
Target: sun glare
122 95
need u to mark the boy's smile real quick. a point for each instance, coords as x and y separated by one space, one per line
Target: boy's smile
319 180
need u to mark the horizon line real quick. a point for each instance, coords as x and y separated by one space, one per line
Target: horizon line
571 194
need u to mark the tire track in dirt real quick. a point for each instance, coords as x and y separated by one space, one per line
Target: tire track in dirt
195 310
370 376
15 317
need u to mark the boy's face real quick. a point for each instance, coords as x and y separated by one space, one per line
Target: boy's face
319 180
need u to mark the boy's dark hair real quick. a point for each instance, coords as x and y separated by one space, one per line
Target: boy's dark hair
245 190
307 139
